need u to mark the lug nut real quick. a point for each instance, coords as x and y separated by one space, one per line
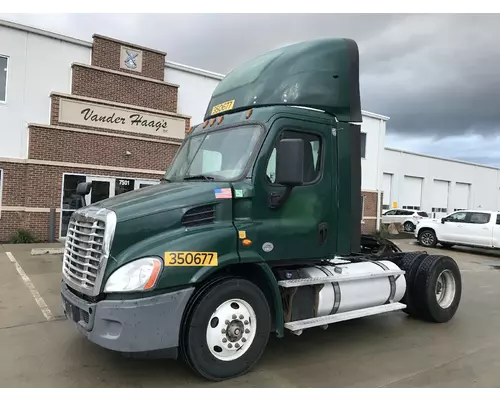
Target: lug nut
227 322
224 340
237 345
244 340
246 322
247 330
230 345
223 331
241 316
234 316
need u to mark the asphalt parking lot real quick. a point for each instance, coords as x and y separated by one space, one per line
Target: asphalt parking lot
39 348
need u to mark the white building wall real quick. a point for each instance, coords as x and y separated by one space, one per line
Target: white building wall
371 172
468 185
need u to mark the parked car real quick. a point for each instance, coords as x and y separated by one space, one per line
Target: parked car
407 218
474 228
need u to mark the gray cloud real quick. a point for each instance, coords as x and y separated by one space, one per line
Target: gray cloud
435 75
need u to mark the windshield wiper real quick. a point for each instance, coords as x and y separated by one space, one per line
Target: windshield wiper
192 177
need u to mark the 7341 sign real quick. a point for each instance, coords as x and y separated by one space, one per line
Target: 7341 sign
190 259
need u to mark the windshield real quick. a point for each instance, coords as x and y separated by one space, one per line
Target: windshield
217 155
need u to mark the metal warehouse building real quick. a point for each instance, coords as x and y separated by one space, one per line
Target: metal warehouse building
61 98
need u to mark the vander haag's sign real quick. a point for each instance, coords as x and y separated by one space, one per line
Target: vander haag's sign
76 112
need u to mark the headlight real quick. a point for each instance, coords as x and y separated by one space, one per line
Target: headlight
138 275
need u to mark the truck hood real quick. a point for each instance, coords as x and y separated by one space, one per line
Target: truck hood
162 197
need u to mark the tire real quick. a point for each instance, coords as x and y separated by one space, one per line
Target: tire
427 238
408 226
202 342
437 272
410 264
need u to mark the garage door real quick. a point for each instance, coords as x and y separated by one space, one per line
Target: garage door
386 187
461 196
439 197
412 193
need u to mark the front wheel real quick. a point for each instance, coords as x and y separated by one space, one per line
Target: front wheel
227 330
427 238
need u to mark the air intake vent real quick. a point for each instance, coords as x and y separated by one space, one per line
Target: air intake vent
199 216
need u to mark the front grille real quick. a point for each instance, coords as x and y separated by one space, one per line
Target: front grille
87 249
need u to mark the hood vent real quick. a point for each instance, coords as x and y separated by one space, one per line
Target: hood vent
199 216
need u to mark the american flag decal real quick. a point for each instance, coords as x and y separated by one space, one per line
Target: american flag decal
223 193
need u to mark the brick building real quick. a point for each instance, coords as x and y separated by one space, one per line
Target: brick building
108 112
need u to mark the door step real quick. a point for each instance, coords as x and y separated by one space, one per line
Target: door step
337 278
331 319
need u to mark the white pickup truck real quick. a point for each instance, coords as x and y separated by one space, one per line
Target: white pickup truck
474 228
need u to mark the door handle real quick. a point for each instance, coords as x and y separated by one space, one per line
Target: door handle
323 233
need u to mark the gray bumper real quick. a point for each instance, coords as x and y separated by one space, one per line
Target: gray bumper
129 326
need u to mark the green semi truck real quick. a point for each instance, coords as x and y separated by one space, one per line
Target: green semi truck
254 230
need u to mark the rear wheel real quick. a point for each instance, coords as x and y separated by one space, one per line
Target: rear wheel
437 288
427 238
410 264
408 226
227 330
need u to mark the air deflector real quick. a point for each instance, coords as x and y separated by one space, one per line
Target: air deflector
322 74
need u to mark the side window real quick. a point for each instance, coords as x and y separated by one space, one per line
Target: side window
457 217
392 212
312 159
479 218
498 218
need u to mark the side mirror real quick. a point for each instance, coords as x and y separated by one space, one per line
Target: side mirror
83 188
443 220
290 162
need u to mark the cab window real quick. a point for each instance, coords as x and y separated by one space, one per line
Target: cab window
312 159
457 217
479 218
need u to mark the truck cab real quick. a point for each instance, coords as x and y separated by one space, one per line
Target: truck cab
255 228
475 228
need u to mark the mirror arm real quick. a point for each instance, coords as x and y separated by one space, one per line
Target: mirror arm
276 200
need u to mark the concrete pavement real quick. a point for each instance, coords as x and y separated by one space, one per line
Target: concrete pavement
391 350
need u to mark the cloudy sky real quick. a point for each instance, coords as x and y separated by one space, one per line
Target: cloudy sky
436 76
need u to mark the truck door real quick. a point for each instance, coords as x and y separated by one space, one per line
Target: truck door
478 229
495 238
304 225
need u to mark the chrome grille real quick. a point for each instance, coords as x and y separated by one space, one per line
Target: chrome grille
86 252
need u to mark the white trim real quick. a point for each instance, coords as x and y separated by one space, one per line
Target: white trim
375 115
120 135
83 166
128 44
439 158
120 73
6 79
194 70
28 209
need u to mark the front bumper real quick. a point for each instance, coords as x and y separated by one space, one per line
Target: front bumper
129 326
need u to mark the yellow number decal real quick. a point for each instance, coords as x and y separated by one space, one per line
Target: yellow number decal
191 259
228 105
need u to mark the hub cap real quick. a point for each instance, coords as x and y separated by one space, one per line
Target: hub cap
427 238
231 329
445 288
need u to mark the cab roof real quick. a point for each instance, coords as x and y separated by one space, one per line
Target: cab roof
321 74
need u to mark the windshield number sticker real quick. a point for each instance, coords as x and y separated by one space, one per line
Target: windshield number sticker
227 105
191 259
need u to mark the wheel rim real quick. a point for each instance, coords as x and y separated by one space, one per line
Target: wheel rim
427 238
445 288
231 329
407 227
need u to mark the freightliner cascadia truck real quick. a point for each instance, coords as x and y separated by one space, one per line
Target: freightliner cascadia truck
254 230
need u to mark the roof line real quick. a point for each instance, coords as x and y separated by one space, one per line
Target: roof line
442 158
375 115
84 43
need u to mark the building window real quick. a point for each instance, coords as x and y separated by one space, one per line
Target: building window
439 210
363 145
411 207
3 78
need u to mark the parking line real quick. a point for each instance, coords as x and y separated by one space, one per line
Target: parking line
27 281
